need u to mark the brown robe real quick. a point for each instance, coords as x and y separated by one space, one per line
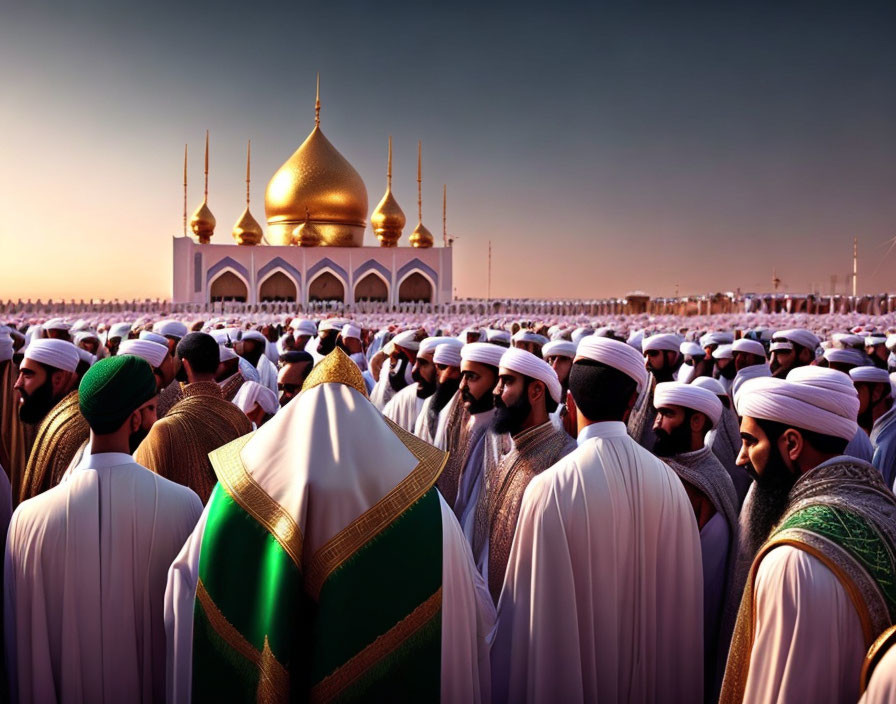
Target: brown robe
61 434
177 447
534 450
12 432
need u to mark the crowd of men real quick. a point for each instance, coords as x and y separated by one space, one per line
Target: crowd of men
357 509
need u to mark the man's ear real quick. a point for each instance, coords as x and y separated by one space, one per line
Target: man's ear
536 390
698 422
791 445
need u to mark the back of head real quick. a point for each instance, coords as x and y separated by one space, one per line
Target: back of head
295 357
201 351
601 392
112 389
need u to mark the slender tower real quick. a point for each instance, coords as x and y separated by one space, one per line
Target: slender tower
855 265
247 231
185 190
388 219
420 237
203 222
445 215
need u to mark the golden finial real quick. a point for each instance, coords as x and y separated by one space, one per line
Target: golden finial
336 368
420 237
306 234
387 219
185 190
317 103
247 231
203 222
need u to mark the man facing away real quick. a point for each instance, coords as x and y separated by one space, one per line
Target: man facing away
86 561
608 532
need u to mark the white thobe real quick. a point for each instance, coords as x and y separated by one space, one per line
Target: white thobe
882 687
86 567
468 617
808 644
404 407
267 372
603 595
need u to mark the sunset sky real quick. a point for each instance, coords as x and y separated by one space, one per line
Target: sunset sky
602 149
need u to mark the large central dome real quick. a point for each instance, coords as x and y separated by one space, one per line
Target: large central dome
317 182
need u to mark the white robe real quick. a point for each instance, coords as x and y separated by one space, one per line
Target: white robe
404 407
267 372
808 644
603 599
468 618
86 566
882 687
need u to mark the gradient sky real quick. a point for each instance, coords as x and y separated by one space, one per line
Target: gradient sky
600 149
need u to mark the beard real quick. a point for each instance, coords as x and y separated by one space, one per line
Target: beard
866 419
510 419
727 372
254 355
425 388
136 438
769 501
398 377
675 443
443 394
478 405
37 404
664 374
327 344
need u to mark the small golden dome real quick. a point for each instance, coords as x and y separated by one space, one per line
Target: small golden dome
307 234
317 178
421 237
387 219
203 223
247 231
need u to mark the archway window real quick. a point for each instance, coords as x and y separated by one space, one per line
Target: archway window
277 287
228 287
371 288
415 288
326 287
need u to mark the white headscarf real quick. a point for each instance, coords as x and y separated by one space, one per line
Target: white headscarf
59 354
618 355
674 393
152 352
527 364
251 392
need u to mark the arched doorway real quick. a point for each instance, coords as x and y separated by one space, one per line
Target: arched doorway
228 287
326 287
371 288
415 288
277 287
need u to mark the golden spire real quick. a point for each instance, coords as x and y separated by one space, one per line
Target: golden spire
185 190
387 219
306 234
420 237
317 103
247 231
203 222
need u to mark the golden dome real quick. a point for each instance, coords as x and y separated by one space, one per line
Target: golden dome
421 237
203 223
317 178
388 219
247 231
307 234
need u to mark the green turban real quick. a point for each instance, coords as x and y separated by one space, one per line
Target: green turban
112 389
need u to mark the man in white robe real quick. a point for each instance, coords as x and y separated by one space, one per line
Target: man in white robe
396 371
404 407
877 417
325 522
445 403
86 561
608 532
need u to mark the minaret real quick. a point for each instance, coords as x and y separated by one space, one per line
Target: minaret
185 190
388 219
247 231
203 222
420 237
855 265
445 215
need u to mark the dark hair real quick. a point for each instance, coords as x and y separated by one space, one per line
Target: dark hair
201 351
601 392
826 444
295 357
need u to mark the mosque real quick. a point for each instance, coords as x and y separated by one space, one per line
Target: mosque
316 210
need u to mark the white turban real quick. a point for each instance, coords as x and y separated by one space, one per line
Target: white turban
800 336
226 353
303 327
448 353
351 331
251 392
875 340
848 339
254 335
559 348
170 328
59 354
848 356
152 352
707 382
664 341
527 364
529 336
86 356
754 371
780 345
869 375
748 346
635 339
716 338
691 349
580 334
618 355
891 343
498 336
119 330
407 339
153 337
56 324
483 352
722 352
673 393
429 344
817 399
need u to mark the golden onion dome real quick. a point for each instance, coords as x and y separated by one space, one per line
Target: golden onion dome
247 231
421 237
317 178
387 219
203 223
307 234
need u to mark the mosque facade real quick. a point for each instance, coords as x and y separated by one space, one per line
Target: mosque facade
312 251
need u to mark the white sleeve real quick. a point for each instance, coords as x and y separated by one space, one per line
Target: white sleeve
808 644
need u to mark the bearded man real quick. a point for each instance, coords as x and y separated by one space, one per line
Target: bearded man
559 354
877 417
294 369
662 358
800 353
444 401
405 406
395 375
46 384
822 531
749 362
12 430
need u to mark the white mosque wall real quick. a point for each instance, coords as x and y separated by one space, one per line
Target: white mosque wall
201 269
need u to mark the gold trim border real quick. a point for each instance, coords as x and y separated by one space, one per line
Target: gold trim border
249 494
333 684
431 462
